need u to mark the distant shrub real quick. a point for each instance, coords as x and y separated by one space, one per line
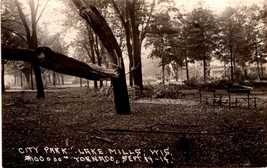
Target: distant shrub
192 82
170 91
252 77
7 87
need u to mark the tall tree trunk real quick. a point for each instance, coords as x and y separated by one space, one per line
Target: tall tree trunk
58 79
258 68
54 79
176 72
95 84
204 69
125 20
49 78
33 45
93 59
87 81
137 75
81 82
163 69
39 81
99 57
224 68
130 51
261 69
28 78
3 75
31 76
21 80
62 79
232 61
15 80
187 70
120 91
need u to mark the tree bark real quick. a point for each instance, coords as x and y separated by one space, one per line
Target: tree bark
163 69
93 59
101 28
3 75
57 62
258 69
231 60
187 70
126 24
21 80
87 81
204 69
81 82
62 79
137 75
261 68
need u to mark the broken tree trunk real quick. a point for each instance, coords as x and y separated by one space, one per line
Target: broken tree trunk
104 32
57 62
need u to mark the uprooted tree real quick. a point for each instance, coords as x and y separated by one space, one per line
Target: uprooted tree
45 57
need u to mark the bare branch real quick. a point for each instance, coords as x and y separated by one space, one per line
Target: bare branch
42 11
37 7
22 36
83 45
143 34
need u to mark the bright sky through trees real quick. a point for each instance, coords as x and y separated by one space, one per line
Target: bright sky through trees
214 5
53 14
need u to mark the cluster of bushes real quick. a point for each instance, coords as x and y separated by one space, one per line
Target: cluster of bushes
170 91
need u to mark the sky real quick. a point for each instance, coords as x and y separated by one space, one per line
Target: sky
215 5
54 11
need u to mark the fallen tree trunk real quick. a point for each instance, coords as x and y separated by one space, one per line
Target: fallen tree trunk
57 62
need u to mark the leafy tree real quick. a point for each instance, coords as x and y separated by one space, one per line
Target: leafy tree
201 30
239 37
252 50
12 34
161 38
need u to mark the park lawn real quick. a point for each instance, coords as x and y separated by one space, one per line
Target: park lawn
181 131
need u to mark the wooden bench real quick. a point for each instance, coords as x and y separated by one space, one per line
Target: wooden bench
263 79
240 92
205 94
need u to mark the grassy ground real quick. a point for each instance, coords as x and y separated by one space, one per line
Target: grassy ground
184 132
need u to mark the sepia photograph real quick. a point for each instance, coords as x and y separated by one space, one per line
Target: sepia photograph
133 83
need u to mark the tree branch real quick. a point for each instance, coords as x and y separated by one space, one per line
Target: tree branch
143 33
83 45
18 34
41 11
